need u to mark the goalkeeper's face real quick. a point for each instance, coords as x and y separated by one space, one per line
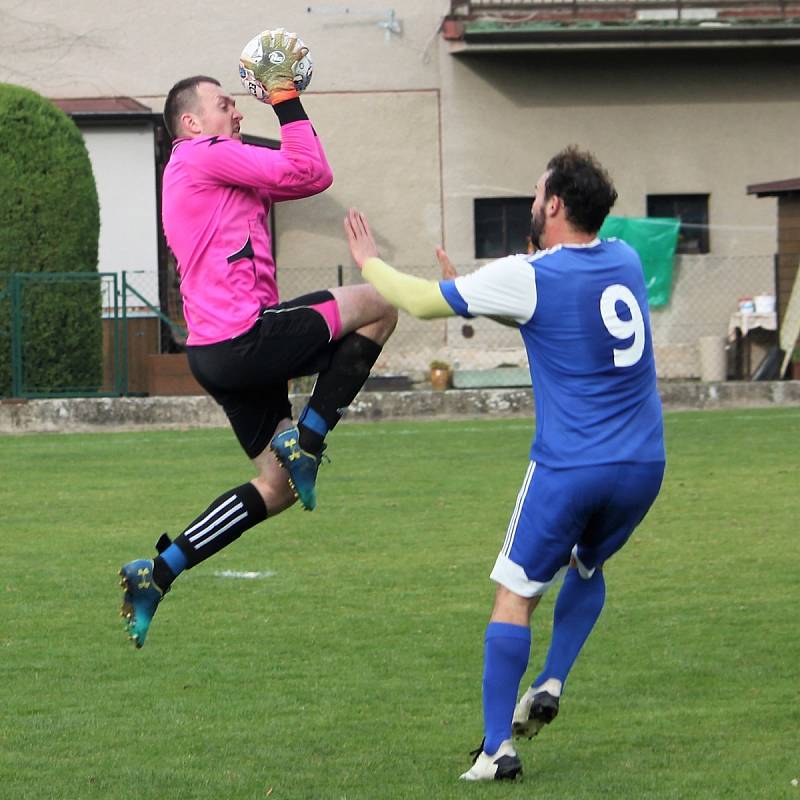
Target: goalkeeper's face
216 113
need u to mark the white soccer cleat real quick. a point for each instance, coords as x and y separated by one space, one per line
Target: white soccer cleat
502 765
536 708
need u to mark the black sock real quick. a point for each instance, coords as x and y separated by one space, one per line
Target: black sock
338 385
224 521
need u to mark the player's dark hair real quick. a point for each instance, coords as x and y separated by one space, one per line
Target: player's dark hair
182 97
578 178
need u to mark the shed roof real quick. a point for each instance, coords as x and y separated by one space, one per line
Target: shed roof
102 109
774 188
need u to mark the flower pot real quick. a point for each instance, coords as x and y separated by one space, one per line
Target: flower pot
440 379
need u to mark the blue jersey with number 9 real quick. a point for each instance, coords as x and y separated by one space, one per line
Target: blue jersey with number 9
582 312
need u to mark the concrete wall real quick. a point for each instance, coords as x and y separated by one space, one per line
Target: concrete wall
88 48
106 414
661 122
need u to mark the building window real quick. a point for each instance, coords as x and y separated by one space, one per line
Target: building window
692 211
502 226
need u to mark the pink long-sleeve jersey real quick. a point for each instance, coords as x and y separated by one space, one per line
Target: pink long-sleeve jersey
216 197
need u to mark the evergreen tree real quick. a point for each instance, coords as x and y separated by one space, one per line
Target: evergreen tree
49 223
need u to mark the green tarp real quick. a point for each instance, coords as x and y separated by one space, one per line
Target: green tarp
654 239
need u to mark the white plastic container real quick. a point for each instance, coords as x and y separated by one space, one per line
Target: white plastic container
764 303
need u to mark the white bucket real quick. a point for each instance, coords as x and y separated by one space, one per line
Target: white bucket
765 303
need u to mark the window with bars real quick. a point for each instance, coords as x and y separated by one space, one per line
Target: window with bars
692 211
502 226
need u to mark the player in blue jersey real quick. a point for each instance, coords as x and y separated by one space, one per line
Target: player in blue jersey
597 459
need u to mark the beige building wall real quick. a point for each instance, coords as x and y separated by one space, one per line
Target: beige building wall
87 48
662 124
415 134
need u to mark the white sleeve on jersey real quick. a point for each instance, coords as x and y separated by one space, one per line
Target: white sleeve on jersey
503 288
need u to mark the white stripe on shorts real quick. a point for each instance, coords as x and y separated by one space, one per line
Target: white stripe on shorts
512 525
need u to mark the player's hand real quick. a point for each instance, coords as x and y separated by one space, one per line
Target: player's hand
448 270
359 237
281 51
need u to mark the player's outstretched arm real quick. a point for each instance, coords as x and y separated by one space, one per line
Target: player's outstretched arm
450 273
419 297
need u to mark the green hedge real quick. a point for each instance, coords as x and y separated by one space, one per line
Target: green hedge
49 223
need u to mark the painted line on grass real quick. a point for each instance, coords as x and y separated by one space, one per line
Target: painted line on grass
409 432
768 415
247 576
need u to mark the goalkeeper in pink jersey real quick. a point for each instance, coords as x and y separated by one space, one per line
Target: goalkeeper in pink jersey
244 344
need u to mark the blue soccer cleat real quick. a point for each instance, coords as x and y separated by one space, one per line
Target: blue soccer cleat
141 599
300 465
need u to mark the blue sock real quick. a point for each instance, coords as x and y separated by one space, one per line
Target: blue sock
175 559
311 419
505 658
313 429
578 607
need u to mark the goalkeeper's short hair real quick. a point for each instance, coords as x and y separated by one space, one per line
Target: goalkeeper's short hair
182 97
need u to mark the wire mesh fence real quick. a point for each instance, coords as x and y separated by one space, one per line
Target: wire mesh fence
705 297
94 333
52 333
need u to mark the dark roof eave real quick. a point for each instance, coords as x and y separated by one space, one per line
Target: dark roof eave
774 188
96 110
531 37
99 118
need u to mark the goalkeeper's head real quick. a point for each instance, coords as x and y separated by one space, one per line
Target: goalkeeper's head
198 106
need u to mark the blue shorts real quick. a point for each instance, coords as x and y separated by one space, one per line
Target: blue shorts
588 512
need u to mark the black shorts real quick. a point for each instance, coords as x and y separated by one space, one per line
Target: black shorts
248 375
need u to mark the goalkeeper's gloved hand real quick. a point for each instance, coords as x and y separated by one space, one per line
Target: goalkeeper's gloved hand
275 71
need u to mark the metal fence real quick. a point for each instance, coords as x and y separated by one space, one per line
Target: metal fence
51 333
67 334
706 291
43 332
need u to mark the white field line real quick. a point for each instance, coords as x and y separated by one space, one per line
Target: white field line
247 576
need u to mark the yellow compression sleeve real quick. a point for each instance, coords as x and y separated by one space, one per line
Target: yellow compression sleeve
419 297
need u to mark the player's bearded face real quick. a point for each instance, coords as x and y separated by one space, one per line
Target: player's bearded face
537 226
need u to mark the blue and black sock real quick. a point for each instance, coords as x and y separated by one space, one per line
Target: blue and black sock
336 388
313 429
224 521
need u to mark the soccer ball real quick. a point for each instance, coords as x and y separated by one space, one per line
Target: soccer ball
253 54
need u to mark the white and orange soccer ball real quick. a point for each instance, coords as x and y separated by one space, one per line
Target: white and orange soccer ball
253 54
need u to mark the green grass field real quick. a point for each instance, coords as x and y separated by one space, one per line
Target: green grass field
352 667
